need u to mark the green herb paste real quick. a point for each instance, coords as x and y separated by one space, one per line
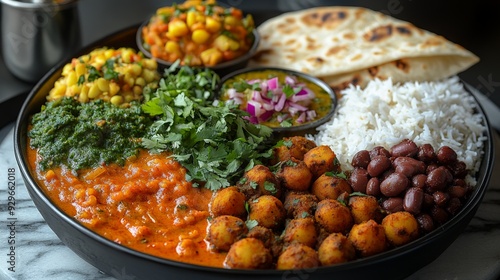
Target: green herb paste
86 135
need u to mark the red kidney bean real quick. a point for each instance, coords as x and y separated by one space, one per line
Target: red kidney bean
373 187
394 184
379 151
378 165
393 204
457 191
408 166
413 200
405 148
418 181
458 169
446 155
440 198
439 215
428 201
361 159
359 179
439 178
454 206
425 222
460 182
426 153
431 167
386 174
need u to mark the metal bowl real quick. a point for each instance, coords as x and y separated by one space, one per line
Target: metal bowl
306 128
113 258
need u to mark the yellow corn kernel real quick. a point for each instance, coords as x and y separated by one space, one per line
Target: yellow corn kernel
127 55
80 69
212 24
58 91
129 79
71 79
116 100
165 10
109 53
75 89
140 81
177 28
148 75
211 56
103 84
200 36
66 69
99 61
94 91
83 97
137 90
85 58
230 20
128 96
150 64
172 47
136 69
113 88
191 18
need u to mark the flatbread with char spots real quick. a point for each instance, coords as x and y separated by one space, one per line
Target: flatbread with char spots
352 45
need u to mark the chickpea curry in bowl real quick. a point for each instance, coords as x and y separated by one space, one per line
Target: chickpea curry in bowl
199 34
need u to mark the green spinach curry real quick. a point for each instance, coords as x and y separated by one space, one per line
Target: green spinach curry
86 135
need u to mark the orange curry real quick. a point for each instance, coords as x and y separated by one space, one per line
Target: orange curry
147 205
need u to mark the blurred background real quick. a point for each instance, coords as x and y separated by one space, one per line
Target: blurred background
473 24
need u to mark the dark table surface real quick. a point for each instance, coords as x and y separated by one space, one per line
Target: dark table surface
473 24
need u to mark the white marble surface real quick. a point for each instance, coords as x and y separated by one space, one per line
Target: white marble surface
39 254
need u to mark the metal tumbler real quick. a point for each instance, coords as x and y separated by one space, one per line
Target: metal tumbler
37 34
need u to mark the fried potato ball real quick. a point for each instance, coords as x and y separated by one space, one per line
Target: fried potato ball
400 228
223 231
292 147
333 216
295 175
268 211
300 204
259 180
368 238
302 230
298 256
336 248
326 186
228 201
321 159
248 253
364 208
263 234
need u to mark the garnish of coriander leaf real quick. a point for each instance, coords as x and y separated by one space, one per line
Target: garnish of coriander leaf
210 139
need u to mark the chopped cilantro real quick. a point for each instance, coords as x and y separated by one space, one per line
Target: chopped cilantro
94 74
336 174
211 140
270 187
109 72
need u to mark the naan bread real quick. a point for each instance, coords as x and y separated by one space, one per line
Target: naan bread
352 45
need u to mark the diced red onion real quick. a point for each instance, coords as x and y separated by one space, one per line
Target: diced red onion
311 115
281 103
302 117
273 83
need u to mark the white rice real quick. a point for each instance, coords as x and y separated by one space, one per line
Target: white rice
384 113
